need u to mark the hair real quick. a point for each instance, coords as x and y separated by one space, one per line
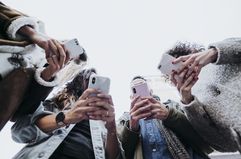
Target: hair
184 48
72 91
138 77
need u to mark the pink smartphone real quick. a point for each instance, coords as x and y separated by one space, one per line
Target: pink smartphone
140 89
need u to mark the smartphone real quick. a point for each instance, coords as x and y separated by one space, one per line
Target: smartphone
73 48
99 82
166 66
140 89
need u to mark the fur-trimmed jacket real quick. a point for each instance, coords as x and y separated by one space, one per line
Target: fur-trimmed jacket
16 52
215 112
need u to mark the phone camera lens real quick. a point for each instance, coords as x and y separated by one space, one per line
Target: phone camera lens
134 90
93 80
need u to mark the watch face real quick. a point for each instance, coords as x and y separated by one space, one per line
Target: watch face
60 118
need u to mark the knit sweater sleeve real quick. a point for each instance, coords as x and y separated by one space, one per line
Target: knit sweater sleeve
229 51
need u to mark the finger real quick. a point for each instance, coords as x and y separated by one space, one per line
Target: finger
173 79
191 84
53 48
101 113
102 104
181 76
50 61
134 101
61 52
140 104
151 99
186 64
48 54
88 92
56 64
181 58
105 96
198 70
191 68
141 110
85 110
141 116
189 80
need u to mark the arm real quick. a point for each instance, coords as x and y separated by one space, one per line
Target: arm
77 113
178 123
12 20
229 51
24 129
17 26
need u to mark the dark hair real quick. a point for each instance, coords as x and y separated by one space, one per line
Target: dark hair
184 48
83 57
138 77
80 83
72 91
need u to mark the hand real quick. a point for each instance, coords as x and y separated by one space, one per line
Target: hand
82 107
106 111
184 87
52 47
139 110
56 60
158 110
195 61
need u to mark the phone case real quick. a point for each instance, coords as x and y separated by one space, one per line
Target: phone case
99 82
140 89
166 65
73 48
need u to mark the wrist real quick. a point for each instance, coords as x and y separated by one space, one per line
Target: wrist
187 100
166 113
47 75
28 32
133 127
213 54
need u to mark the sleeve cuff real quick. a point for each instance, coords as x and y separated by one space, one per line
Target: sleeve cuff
18 23
219 55
195 100
42 82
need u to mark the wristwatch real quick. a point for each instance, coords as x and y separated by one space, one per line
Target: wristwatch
60 119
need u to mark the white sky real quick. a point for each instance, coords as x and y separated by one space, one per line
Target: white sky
126 38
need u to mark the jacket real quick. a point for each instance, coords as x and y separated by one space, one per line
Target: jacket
40 144
215 111
16 52
177 130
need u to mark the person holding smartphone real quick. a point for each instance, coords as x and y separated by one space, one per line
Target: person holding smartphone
60 127
156 130
25 46
212 103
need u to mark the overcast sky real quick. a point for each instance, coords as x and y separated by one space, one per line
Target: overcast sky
127 37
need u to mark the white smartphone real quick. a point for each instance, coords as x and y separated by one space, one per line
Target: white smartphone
73 48
140 89
166 66
99 82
